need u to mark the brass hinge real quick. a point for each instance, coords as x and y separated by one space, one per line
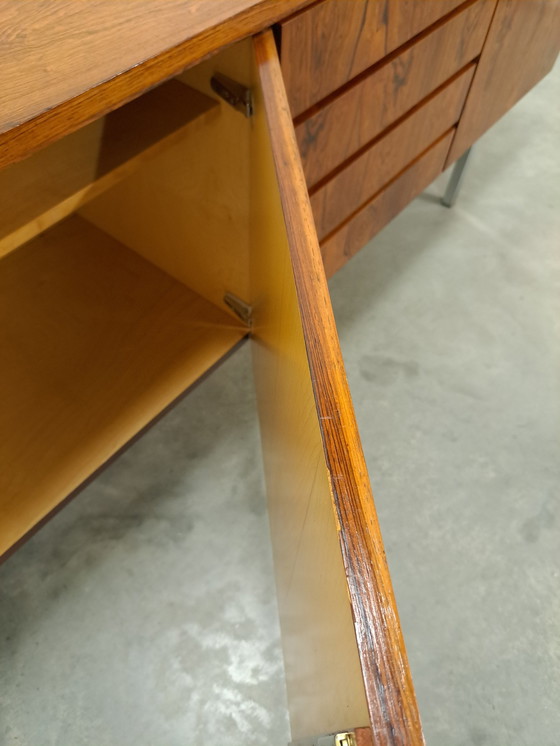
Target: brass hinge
345 739
240 308
233 93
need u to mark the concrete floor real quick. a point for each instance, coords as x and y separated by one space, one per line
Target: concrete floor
111 635
450 329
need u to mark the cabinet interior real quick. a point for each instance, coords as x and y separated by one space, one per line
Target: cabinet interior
112 305
97 339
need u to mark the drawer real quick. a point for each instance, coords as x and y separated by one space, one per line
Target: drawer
354 234
327 45
108 316
344 125
334 201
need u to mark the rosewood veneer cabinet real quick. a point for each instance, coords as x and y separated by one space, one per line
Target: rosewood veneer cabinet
177 175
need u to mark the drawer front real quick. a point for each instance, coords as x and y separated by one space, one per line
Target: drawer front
409 17
327 45
364 176
339 129
354 234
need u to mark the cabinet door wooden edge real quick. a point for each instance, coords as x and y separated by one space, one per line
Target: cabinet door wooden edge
386 678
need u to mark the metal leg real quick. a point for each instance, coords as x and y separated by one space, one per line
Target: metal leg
455 180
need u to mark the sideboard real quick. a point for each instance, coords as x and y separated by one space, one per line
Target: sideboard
179 176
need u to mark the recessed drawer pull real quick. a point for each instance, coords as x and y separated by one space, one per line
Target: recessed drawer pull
363 111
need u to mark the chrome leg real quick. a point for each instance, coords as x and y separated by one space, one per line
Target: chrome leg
455 180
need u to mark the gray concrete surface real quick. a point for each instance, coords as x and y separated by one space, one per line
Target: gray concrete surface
144 613
450 328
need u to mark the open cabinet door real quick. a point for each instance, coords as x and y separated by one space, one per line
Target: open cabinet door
345 661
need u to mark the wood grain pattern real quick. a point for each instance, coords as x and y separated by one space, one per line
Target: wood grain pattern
364 737
406 18
321 663
94 343
47 187
341 245
365 175
344 125
388 686
522 45
187 211
65 63
325 46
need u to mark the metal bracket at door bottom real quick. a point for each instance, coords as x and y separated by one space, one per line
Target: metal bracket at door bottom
345 739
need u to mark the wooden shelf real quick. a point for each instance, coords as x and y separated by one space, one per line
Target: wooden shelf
51 184
94 343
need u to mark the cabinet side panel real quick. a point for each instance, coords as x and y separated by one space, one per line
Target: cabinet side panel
323 676
522 45
303 365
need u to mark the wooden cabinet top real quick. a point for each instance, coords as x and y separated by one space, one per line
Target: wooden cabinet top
65 63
